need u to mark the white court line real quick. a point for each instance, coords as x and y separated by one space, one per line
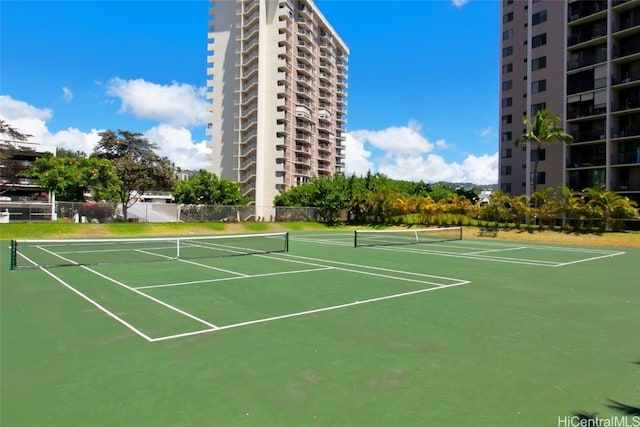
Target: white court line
226 279
590 259
92 302
193 263
464 256
494 250
409 273
304 313
169 306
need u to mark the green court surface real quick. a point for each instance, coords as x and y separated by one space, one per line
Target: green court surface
477 332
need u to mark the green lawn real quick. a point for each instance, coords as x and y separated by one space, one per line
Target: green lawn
490 334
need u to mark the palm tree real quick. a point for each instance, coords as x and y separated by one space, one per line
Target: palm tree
545 129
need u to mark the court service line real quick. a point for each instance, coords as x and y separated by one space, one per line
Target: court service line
495 250
193 263
590 259
474 257
226 279
307 312
409 273
157 301
92 302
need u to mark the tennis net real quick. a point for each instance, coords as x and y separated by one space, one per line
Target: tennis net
405 237
51 253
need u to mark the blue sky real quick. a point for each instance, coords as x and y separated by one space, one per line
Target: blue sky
422 96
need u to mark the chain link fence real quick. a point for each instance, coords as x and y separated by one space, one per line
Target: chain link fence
90 212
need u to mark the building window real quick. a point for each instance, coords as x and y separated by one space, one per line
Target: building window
538 155
539 40
506 120
507 51
507 35
505 187
507 85
507 68
538 178
507 102
507 17
537 107
505 170
539 86
505 153
539 63
506 136
539 18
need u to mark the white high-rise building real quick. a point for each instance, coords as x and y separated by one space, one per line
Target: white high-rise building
277 81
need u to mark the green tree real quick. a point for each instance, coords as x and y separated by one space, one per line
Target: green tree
10 149
12 133
544 130
609 207
205 188
138 166
71 177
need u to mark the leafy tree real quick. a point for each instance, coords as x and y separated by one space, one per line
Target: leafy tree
139 168
609 206
12 133
10 149
205 188
544 130
71 177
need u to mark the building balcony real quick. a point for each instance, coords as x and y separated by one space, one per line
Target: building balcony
579 11
585 111
626 104
588 136
626 158
626 132
586 61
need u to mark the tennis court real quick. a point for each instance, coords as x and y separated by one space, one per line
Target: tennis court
310 330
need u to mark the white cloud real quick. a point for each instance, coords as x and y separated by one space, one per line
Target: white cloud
459 3
397 140
177 144
67 95
176 104
356 157
406 155
488 131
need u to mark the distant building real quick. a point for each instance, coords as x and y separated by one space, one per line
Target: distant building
580 59
277 81
16 158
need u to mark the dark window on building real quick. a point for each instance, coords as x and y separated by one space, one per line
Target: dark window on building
539 18
539 40
507 51
506 136
507 17
538 155
538 178
537 107
505 153
505 170
507 34
507 68
539 63
539 86
507 85
506 120
505 187
507 102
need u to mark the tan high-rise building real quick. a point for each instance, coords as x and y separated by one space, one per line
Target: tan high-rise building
580 60
277 81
